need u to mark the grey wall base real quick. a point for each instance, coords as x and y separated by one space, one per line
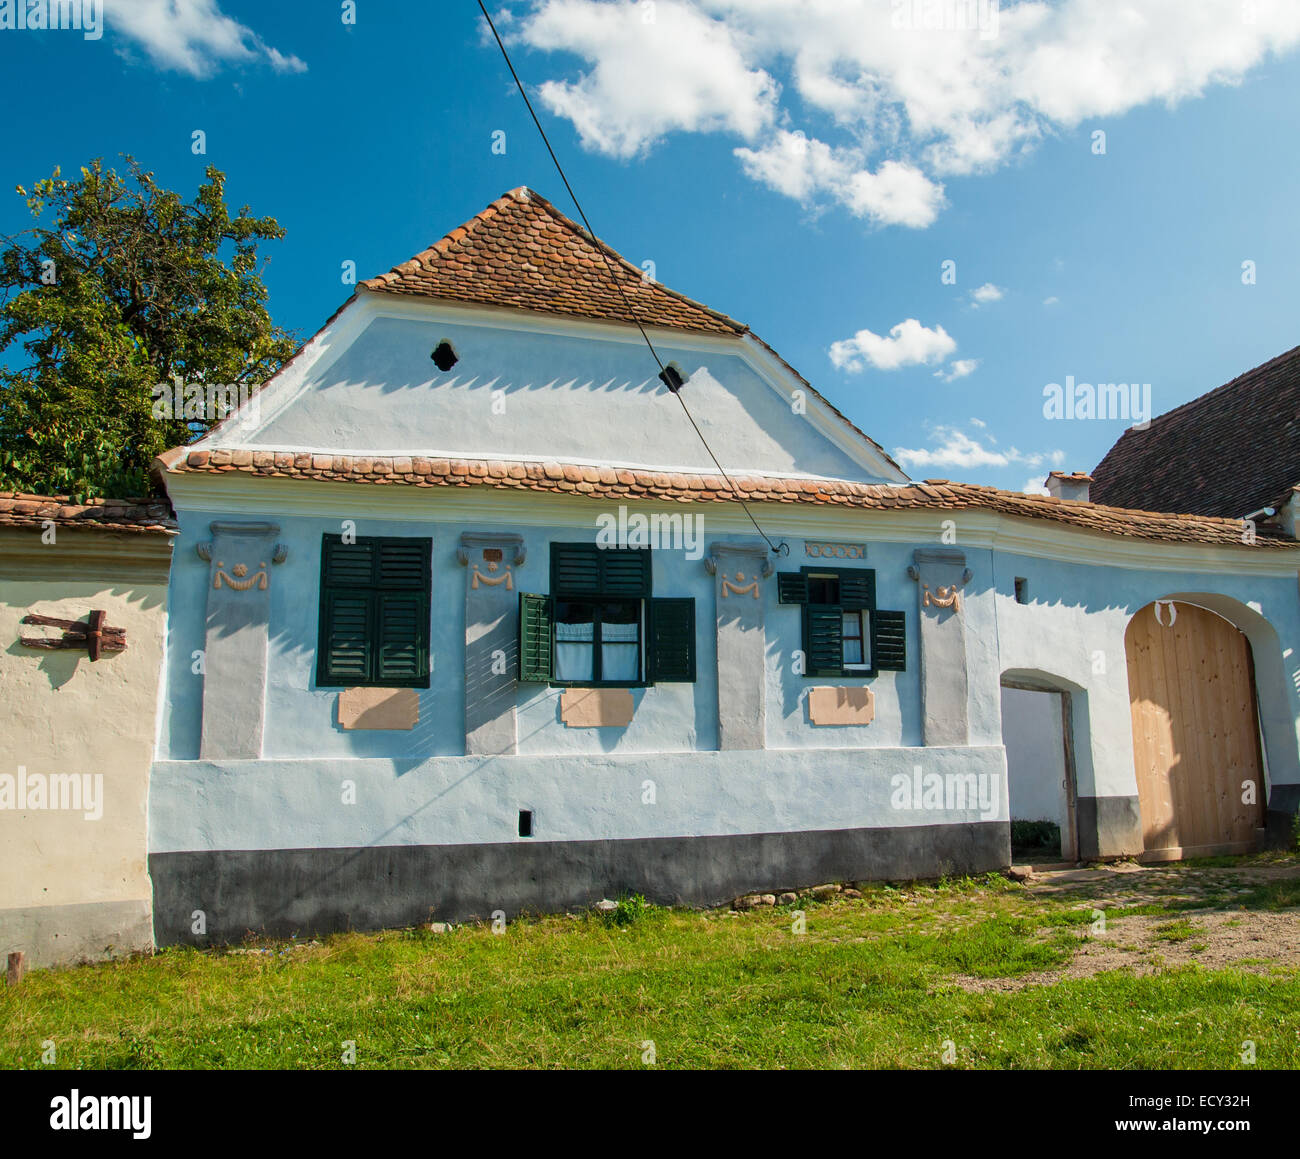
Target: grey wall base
62 935
1109 827
1283 805
281 892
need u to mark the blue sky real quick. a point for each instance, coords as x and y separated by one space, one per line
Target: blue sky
807 170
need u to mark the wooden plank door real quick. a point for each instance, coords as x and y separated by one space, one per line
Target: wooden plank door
1195 732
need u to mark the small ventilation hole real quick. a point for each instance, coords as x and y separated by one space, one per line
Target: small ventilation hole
1022 590
444 357
525 822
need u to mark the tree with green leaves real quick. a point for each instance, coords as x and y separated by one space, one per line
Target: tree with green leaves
119 291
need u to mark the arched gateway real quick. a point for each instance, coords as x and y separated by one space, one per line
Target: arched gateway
1196 737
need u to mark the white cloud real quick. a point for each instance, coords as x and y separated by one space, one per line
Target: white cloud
988 292
955 448
193 36
909 344
905 106
803 167
683 71
1051 301
978 423
959 368
1034 486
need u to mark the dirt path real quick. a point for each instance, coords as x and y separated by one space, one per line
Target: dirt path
1214 930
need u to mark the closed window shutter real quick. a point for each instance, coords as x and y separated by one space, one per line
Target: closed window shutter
347 565
672 641
374 617
344 656
404 564
535 635
584 569
791 587
625 573
575 569
402 638
823 639
857 590
889 641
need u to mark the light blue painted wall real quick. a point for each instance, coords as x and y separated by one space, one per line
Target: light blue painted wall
276 804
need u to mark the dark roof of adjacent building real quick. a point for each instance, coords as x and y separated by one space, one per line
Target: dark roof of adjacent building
524 254
135 515
1229 453
617 483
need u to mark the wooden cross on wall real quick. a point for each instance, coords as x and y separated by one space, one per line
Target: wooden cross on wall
96 636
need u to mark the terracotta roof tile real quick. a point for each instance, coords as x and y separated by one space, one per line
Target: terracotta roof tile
137 515
522 252
619 483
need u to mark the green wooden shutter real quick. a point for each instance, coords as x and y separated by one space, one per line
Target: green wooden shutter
344 653
535 635
625 573
791 587
401 636
672 641
823 644
347 565
403 563
889 641
575 569
857 589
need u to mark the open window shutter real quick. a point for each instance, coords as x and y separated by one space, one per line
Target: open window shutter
345 637
672 641
889 641
823 646
791 587
575 569
401 638
625 573
535 650
858 590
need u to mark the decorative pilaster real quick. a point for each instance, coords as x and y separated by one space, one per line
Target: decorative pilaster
491 640
739 569
941 573
241 556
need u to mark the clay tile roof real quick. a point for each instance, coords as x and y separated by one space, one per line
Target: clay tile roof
523 253
139 515
571 479
1229 452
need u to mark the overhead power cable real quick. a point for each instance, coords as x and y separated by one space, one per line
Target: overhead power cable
667 374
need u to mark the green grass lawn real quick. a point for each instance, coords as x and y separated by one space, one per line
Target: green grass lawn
889 980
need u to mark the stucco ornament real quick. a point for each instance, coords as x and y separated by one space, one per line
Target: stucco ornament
836 550
492 581
740 588
944 595
1173 612
238 578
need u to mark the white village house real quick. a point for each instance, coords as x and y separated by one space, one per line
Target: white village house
463 618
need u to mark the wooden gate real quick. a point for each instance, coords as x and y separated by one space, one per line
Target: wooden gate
1195 732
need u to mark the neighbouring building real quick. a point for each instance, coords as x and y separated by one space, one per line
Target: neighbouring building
83 603
1234 452
464 619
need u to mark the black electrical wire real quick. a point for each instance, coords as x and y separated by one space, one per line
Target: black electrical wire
613 278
